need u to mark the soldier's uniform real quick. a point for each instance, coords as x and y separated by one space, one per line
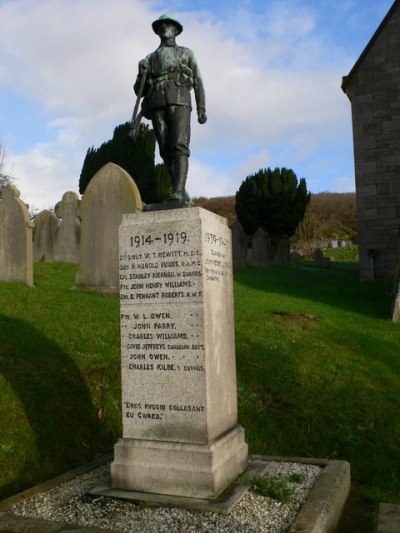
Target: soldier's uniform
171 73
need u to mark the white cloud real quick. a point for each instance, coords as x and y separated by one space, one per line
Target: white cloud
48 170
268 81
344 184
206 180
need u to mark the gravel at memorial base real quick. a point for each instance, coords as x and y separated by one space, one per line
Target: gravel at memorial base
68 503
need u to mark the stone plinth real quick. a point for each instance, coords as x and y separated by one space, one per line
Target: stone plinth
179 404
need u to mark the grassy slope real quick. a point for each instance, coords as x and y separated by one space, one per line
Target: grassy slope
59 364
306 387
323 387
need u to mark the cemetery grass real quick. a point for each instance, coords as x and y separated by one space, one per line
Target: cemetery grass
319 370
346 254
317 358
59 377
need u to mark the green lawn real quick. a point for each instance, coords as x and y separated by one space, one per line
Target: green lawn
321 385
326 385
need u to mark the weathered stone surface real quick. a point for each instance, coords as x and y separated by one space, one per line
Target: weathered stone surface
16 256
44 236
180 431
322 511
180 468
239 245
388 518
67 236
261 248
110 194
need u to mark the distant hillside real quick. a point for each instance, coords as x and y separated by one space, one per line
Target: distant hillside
222 205
329 215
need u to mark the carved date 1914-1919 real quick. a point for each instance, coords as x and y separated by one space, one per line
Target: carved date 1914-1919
179 237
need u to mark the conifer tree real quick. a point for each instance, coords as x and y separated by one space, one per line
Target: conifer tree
273 200
136 158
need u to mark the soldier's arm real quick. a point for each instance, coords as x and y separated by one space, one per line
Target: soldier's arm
144 67
198 88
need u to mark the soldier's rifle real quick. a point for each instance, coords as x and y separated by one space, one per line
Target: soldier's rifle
137 117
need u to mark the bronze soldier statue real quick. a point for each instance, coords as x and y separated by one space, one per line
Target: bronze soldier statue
166 77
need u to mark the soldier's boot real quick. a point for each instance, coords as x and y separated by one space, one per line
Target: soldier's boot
182 167
171 167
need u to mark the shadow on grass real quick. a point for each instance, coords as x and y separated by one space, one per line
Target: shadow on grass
323 408
339 287
56 403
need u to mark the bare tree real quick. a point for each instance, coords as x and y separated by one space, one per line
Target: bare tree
5 179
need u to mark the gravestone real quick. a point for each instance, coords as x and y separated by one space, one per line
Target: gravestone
44 236
318 255
110 194
16 257
66 245
325 263
396 306
261 248
180 431
283 252
239 245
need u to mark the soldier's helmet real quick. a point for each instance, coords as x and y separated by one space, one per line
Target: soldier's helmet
167 18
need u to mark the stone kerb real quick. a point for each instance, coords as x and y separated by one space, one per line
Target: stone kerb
67 235
16 254
261 248
179 406
110 194
44 236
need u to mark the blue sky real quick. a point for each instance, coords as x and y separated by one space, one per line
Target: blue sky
272 71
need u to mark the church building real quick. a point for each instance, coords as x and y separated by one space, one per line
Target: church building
373 88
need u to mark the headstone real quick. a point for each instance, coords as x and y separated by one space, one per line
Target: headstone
16 257
44 236
396 306
261 248
295 257
110 194
66 246
325 263
283 252
239 245
179 405
318 255
249 256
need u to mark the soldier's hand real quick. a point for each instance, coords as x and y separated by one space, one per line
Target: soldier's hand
201 116
143 66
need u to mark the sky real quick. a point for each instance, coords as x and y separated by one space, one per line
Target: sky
272 71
